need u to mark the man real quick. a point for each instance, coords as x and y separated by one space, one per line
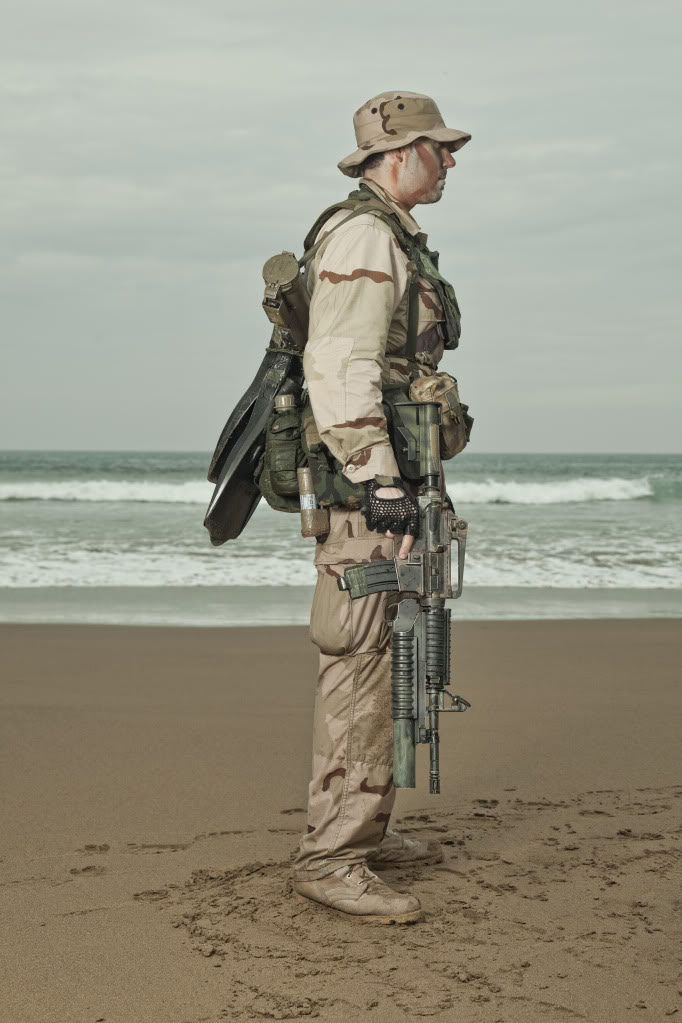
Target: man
359 284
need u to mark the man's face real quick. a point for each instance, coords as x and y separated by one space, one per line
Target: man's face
421 175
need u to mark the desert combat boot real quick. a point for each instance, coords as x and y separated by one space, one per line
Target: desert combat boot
396 851
355 890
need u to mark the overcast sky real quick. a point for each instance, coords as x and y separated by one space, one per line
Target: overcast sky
155 153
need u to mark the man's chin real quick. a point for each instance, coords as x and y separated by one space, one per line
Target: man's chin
434 196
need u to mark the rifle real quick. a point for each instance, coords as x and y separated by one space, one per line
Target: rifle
421 623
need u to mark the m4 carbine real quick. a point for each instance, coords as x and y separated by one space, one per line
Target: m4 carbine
421 621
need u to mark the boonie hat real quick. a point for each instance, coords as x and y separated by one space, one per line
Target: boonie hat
394 119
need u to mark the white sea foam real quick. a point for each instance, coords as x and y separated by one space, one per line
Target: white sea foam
141 491
490 491
81 567
571 491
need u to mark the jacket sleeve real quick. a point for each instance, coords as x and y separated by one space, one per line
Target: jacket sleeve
359 280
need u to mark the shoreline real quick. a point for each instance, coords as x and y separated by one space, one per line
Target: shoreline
256 606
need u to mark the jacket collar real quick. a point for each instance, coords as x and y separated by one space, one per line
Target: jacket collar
405 218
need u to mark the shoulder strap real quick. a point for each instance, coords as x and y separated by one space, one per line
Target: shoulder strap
412 317
358 207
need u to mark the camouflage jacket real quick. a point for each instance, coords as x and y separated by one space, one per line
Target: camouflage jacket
358 286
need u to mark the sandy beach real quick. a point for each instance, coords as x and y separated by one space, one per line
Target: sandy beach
153 785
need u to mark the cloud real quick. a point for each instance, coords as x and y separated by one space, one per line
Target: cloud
156 154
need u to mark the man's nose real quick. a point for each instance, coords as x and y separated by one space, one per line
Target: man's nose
448 159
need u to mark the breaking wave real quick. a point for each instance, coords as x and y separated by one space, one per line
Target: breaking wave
490 491
139 491
572 491
45 566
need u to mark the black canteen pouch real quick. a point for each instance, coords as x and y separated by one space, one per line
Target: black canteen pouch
283 455
332 488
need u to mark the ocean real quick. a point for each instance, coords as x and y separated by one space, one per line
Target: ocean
117 537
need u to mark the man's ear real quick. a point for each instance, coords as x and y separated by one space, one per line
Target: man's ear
397 155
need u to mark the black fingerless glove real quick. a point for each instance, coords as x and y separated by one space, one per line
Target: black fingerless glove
390 514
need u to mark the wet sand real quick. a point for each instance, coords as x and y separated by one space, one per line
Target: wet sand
152 786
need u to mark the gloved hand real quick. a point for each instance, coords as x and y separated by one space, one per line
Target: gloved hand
391 514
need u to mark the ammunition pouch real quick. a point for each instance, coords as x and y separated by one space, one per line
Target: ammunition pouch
276 476
456 423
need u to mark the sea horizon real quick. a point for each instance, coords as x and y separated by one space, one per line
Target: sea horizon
208 451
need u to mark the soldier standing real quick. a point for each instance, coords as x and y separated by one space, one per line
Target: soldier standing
360 282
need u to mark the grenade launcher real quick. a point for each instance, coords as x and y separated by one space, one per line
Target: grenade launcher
421 621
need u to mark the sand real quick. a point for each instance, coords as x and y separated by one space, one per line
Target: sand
153 785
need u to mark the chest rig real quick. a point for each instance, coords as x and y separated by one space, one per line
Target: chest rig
286 298
292 437
332 487
422 262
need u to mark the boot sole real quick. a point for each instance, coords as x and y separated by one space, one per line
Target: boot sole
415 917
387 865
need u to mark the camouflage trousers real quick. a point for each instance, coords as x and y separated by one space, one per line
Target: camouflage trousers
351 793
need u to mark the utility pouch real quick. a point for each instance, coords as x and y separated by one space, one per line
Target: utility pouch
456 423
283 455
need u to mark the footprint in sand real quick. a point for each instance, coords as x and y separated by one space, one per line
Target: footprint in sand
218 834
152 895
91 869
152 848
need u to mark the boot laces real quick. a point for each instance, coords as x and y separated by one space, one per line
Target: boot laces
363 873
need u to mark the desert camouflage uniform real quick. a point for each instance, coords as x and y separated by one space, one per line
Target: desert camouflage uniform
358 330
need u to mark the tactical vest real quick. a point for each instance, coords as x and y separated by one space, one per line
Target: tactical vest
422 261
332 487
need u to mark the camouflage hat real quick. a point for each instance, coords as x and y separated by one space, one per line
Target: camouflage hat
395 119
